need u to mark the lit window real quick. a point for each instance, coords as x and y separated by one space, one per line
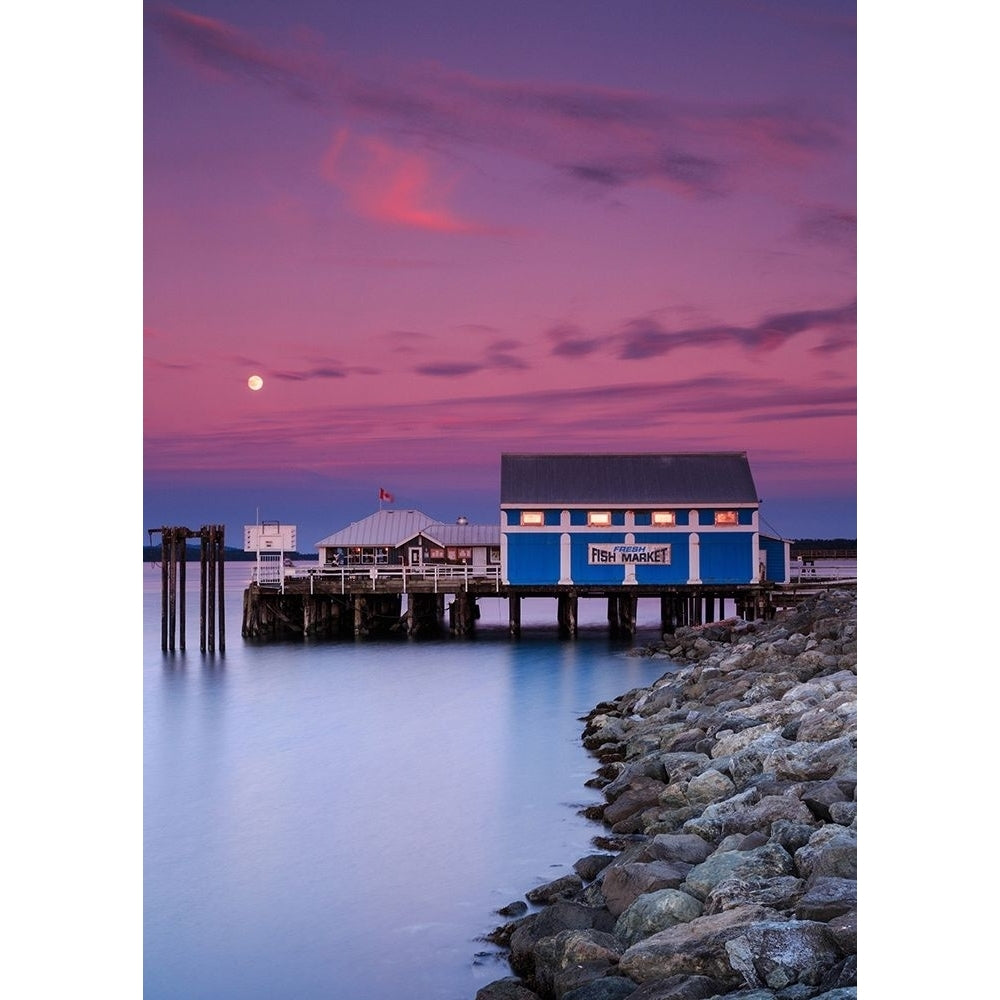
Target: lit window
532 517
726 517
599 518
664 517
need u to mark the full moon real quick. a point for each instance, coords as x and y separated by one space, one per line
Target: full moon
255 382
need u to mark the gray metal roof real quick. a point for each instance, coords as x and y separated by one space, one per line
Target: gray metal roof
384 527
668 479
463 534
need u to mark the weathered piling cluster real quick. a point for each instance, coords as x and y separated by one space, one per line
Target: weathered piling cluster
173 564
729 864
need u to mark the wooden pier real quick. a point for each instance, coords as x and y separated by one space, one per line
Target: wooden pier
363 601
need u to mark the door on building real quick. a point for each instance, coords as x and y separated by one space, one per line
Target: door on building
416 555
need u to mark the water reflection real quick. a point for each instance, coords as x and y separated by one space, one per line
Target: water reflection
344 818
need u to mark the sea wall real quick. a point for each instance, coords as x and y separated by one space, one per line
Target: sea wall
728 865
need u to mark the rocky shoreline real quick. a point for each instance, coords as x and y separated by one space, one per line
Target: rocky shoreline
729 863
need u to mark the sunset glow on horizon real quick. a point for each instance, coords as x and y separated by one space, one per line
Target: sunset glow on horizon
439 232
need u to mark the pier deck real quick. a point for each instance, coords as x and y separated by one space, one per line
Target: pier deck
368 600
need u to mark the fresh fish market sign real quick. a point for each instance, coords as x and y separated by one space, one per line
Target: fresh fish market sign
619 555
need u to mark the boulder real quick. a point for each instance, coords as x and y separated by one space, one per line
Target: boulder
506 989
695 948
769 861
709 786
560 888
832 850
845 932
623 884
828 897
589 867
678 988
781 893
653 912
641 794
606 988
777 954
571 958
686 847
560 916
762 815
644 767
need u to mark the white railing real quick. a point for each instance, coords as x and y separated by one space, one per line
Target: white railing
805 572
443 577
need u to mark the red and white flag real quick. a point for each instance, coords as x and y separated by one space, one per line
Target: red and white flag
384 495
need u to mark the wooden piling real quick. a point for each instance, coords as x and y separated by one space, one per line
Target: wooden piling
566 614
182 589
514 614
220 540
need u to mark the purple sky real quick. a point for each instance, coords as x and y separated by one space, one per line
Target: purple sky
439 231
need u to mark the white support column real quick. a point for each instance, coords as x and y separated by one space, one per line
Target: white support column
694 558
503 557
565 557
629 567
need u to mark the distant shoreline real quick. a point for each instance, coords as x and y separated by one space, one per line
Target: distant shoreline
153 553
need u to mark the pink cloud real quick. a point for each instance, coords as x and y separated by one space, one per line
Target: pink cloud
594 135
392 185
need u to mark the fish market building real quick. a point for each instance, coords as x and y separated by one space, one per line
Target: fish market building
687 519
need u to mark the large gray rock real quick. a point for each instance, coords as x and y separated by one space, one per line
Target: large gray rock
696 948
506 989
645 767
778 954
709 786
769 861
832 850
781 893
686 847
589 867
606 988
655 911
561 916
682 765
815 761
678 988
763 814
569 959
642 793
828 897
623 884
708 825
560 888
751 759
845 932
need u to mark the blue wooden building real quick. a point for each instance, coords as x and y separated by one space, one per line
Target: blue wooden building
656 520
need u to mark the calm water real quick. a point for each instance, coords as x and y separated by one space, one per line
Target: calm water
341 819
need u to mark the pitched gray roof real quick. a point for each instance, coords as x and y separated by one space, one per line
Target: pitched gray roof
463 534
698 477
384 527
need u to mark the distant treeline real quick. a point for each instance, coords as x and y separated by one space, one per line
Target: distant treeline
152 553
